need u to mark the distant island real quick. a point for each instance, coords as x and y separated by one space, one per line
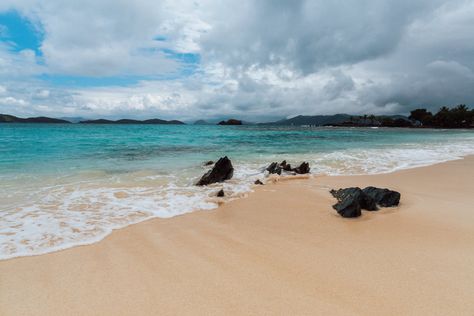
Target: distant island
5 118
456 117
129 121
230 122
202 122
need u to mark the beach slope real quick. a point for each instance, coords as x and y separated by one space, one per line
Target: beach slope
282 250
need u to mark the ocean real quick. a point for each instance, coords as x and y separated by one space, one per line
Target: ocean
63 185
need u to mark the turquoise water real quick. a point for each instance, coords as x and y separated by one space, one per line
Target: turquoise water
65 185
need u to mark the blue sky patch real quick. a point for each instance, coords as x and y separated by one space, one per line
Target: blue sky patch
19 32
83 81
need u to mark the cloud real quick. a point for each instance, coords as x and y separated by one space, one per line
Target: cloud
310 35
11 101
250 59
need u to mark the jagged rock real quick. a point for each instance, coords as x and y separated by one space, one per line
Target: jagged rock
209 163
274 168
221 193
366 202
383 197
222 170
352 200
303 168
348 208
258 182
285 166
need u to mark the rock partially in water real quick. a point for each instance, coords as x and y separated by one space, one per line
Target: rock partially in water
258 182
274 168
221 193
303 168
285 166
383 197
277 168
222 170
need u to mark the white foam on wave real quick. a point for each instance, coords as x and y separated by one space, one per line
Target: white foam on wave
86 210
386 160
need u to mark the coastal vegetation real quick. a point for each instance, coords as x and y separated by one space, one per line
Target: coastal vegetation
457 117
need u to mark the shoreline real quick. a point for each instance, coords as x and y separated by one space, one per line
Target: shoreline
280 250
270 180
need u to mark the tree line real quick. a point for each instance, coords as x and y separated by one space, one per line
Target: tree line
457 117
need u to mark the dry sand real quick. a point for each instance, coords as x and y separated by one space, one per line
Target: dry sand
282 250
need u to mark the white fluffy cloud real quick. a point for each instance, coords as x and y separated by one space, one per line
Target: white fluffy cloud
258 59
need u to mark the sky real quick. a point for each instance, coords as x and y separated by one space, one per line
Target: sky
247 59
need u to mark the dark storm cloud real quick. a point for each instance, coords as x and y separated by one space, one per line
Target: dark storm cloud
311 34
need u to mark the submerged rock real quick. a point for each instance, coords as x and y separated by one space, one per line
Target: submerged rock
303 168
222 170
221 193
209 163
383 197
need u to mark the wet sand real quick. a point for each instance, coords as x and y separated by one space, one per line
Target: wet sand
282 250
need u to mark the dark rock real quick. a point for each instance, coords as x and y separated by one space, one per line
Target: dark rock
285 166
383 197
230 122
303 168
258 182
221 193
209 163
366 202
274 168
348 208
222 170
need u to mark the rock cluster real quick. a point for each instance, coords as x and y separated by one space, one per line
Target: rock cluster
352 200
277 168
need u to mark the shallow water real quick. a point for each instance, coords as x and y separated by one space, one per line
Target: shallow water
66 185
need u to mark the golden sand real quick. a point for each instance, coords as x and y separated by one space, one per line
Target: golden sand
281 251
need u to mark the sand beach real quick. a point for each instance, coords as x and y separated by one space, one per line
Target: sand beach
280 251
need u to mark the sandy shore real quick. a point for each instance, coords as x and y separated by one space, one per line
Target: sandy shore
282 250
